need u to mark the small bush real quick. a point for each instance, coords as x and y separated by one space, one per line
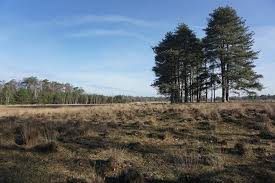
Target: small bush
20 138
46 148
131 176
205 125
107 167
266 132
25 135
240 149
188 178
161 136
134 146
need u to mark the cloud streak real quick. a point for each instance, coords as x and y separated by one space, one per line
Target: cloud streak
112 19
107 32
89 19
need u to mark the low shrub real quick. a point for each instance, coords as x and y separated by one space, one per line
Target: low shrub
131 176
188 178
205 125
46 148
26 135
240 149
266 132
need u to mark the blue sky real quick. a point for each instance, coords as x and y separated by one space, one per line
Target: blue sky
104 46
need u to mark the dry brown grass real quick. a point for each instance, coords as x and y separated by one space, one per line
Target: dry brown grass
231 142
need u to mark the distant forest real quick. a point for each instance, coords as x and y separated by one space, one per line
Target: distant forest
31 90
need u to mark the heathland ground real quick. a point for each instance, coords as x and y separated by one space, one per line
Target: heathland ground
231 142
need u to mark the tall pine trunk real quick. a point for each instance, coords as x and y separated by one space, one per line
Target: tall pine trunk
206 86
185 85
227 82
190 84
214 92
223 82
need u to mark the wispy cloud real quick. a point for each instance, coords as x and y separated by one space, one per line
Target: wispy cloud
107 32
112 19
89 19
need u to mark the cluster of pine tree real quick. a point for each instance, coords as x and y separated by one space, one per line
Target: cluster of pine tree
190 69
31 90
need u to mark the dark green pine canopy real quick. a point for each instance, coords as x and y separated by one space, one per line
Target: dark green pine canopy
189 69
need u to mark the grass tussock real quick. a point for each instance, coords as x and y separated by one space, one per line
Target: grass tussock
267 131
46 148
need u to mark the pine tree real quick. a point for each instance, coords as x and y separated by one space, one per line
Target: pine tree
178 64
228 45
189 48
165 67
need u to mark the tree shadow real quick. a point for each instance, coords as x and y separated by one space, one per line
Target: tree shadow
12 148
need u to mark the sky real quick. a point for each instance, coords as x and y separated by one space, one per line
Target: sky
105 46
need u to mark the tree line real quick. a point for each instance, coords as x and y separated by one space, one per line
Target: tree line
31 90
270 98
190 69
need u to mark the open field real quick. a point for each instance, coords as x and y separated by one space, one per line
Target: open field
232 142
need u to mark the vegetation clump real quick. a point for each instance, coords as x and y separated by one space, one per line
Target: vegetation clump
240 149
189 178
25 135
266 132
46 148
131 176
